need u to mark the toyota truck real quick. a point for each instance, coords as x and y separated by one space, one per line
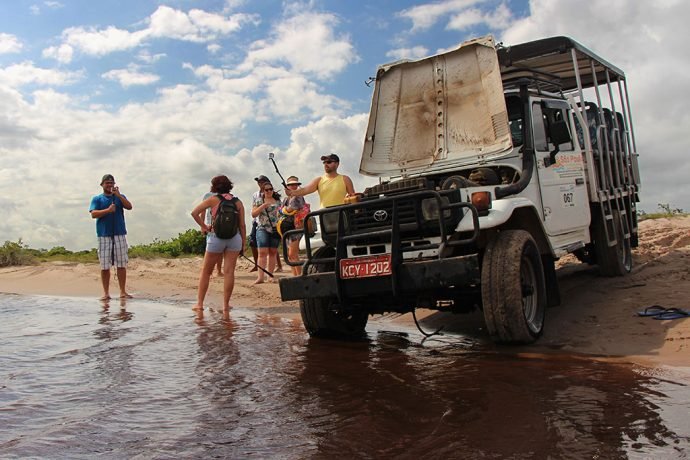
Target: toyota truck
493 162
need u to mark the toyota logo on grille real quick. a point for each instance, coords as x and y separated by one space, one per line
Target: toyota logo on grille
380 215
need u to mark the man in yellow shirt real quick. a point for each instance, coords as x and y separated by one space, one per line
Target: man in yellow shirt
332 187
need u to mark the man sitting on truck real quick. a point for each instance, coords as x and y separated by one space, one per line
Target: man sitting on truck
332 187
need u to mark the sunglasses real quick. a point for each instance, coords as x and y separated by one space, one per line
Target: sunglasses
268 190
329 161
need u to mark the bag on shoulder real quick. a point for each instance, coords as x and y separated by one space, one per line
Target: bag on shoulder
226 220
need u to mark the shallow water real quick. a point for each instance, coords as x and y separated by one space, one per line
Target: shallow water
152 381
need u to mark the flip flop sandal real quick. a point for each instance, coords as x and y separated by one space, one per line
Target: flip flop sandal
652 310
673 313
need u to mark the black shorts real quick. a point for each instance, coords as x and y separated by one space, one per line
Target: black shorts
252 235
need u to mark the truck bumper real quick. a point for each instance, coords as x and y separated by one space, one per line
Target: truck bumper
409 278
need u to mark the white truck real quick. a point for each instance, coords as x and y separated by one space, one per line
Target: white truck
494 161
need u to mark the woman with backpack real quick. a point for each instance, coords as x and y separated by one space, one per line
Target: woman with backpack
226 236
265 210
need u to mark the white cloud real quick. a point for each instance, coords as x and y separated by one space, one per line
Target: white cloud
307 43
146 57
214 48
196 26
9 44
26 73
428 14
131 77
497 19
96 42
62 53
415 52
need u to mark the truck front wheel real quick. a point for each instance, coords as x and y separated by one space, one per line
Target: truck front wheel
321 319
513 288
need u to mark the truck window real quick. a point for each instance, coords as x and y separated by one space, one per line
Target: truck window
541 118
515 119
539 127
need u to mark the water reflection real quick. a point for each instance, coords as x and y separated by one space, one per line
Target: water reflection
393 398
166 383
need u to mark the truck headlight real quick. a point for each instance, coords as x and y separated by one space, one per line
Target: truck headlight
430 208
329 222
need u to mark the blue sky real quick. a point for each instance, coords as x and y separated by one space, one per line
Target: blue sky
166 94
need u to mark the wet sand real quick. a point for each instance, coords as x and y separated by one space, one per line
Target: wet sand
597 316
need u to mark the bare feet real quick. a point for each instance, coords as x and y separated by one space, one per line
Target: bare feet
105 297
253 269
124 295
220 274
258 282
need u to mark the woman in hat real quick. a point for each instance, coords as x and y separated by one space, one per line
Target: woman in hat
292 205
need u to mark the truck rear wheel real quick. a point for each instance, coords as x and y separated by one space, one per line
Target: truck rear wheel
319 317
513 288
613 260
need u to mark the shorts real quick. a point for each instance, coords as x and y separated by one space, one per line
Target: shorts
266 239
112 250
217 245
252 235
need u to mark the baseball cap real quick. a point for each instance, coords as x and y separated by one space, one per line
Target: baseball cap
107 177
262 178
331 157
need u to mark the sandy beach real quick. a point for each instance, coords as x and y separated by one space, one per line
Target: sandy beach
597 315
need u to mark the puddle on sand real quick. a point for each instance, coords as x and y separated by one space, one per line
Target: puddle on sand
154 381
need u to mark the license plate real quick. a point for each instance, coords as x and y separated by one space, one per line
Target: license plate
364 267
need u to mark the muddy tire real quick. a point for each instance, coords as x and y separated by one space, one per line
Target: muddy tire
318 316
513 288
612 260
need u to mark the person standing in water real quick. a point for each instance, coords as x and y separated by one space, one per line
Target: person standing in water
217 248
108 210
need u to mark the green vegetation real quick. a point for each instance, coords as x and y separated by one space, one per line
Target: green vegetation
665 212
15 254
191 242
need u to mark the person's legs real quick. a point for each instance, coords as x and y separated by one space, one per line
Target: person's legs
121 260
105 281
210 260
105 247
279 264
219 267
229 279
122 281
262 261
253 246
293 256
272 252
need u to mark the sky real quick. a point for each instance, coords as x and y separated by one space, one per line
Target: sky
165 94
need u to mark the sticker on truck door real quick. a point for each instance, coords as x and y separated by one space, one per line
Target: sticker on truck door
568 196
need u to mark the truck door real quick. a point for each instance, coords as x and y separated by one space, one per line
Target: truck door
560 169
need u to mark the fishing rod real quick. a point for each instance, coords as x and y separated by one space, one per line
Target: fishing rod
257 265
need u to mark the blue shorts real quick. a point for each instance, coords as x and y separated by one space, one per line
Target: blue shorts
252 235
266 239
217 245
